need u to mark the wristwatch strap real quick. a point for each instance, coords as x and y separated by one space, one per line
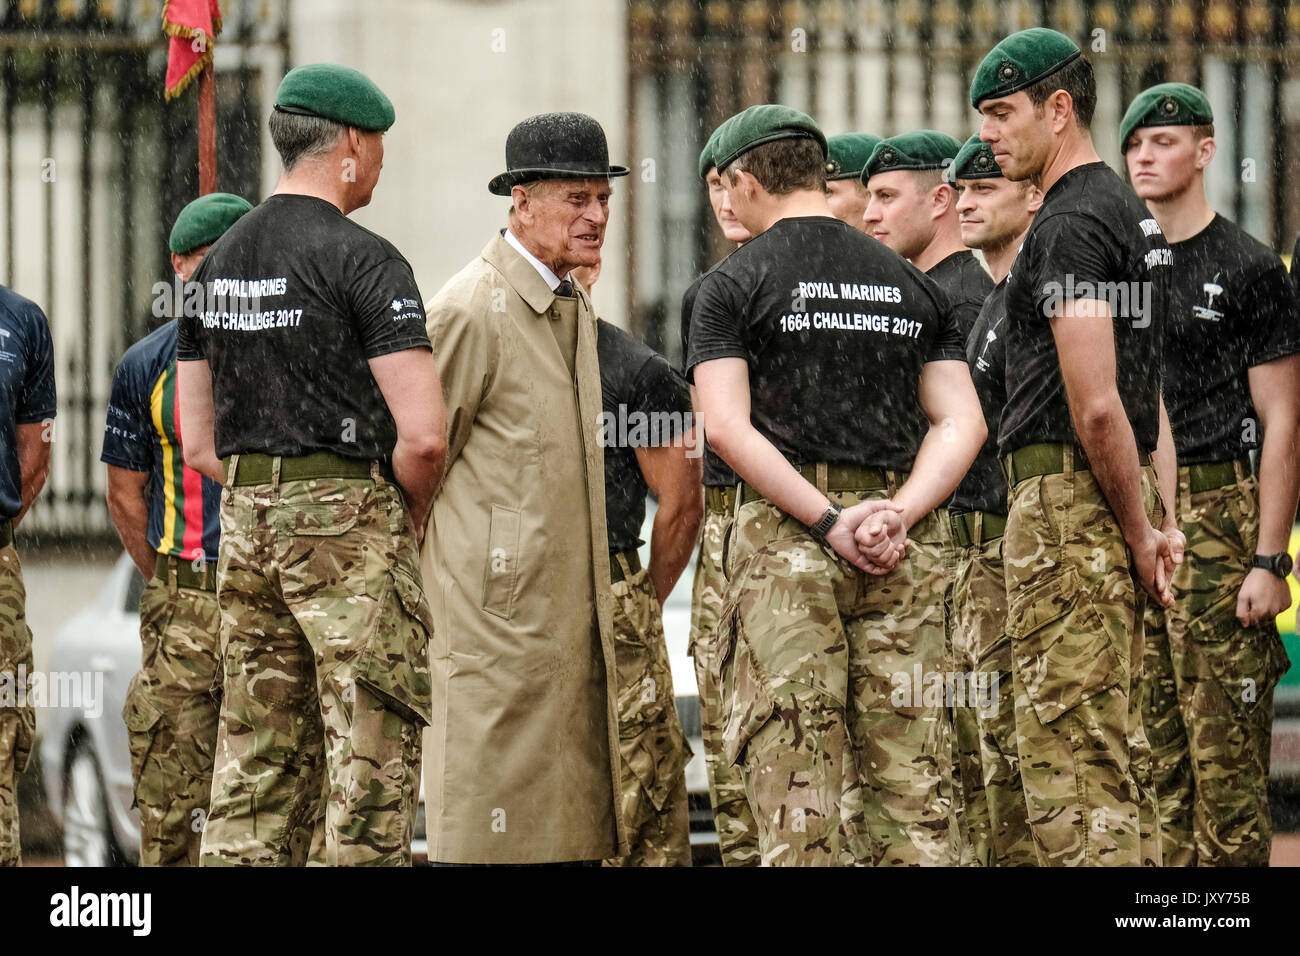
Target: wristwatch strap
825 523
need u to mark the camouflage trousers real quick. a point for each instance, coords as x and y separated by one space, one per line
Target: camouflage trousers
983 651
1074 612
845 761
171 718
1208 689
737 836
17 724
970 811
652 746
325 633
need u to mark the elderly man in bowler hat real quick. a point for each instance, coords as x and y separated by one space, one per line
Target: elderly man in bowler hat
522 762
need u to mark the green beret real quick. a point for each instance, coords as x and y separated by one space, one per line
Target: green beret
706 154
205 220
1165 104
920 149
975 161
337 93
847 154
1020 61
761 124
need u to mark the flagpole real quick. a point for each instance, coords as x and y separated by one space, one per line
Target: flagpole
207 130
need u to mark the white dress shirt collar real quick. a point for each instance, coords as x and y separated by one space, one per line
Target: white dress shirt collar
551 278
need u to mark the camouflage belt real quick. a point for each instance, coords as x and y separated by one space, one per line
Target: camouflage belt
850 478
257 469
616 574
1215 474
186 576
1048 459
6 533
977 527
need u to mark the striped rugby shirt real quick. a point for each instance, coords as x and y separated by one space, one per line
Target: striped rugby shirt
143 434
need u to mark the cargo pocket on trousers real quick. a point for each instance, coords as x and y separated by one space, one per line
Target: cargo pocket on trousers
1247 662
752 701
1062 651
502 570
395 664
141 718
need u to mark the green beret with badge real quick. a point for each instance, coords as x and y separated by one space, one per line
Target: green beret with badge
1165 104
337 93
1020 61
765 123
847 154
205 220
920 149
974 161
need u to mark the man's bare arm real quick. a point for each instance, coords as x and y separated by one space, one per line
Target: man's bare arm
1085 345
1275 392
1165 463
410 385
674 478
956 434
33 462
129 509
198 418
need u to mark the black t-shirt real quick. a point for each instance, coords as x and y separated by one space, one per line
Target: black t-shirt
835 328
1295 262
1232 306
645 404
966 285
1092 239
985 487
26 386
717 473
297 298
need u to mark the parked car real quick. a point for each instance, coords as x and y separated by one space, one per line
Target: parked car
87 763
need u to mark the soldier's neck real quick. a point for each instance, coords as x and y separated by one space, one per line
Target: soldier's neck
1184 215
308 179
946 242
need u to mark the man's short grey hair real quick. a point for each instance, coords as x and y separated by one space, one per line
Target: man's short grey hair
298 137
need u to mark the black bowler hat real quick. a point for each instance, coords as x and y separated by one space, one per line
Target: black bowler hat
554 146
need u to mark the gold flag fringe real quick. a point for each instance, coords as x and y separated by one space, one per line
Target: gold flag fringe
188 33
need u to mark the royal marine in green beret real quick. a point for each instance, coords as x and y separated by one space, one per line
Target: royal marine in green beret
1020 61
761 124
918 150
706 154
974 161
337 93
205 220
847 154
1165 104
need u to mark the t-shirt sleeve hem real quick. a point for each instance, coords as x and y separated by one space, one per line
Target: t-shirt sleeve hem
34 418
126 463
388 348
1273 354
715 353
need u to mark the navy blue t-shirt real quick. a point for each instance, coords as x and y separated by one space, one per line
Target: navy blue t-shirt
143 434
26 386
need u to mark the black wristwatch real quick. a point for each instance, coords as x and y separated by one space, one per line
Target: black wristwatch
824 524
1279 564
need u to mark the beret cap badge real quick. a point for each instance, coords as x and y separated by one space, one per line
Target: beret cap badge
1169 105
1007 70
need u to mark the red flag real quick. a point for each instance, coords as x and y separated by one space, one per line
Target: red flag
192 25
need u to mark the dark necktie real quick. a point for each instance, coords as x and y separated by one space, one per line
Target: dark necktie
564 288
